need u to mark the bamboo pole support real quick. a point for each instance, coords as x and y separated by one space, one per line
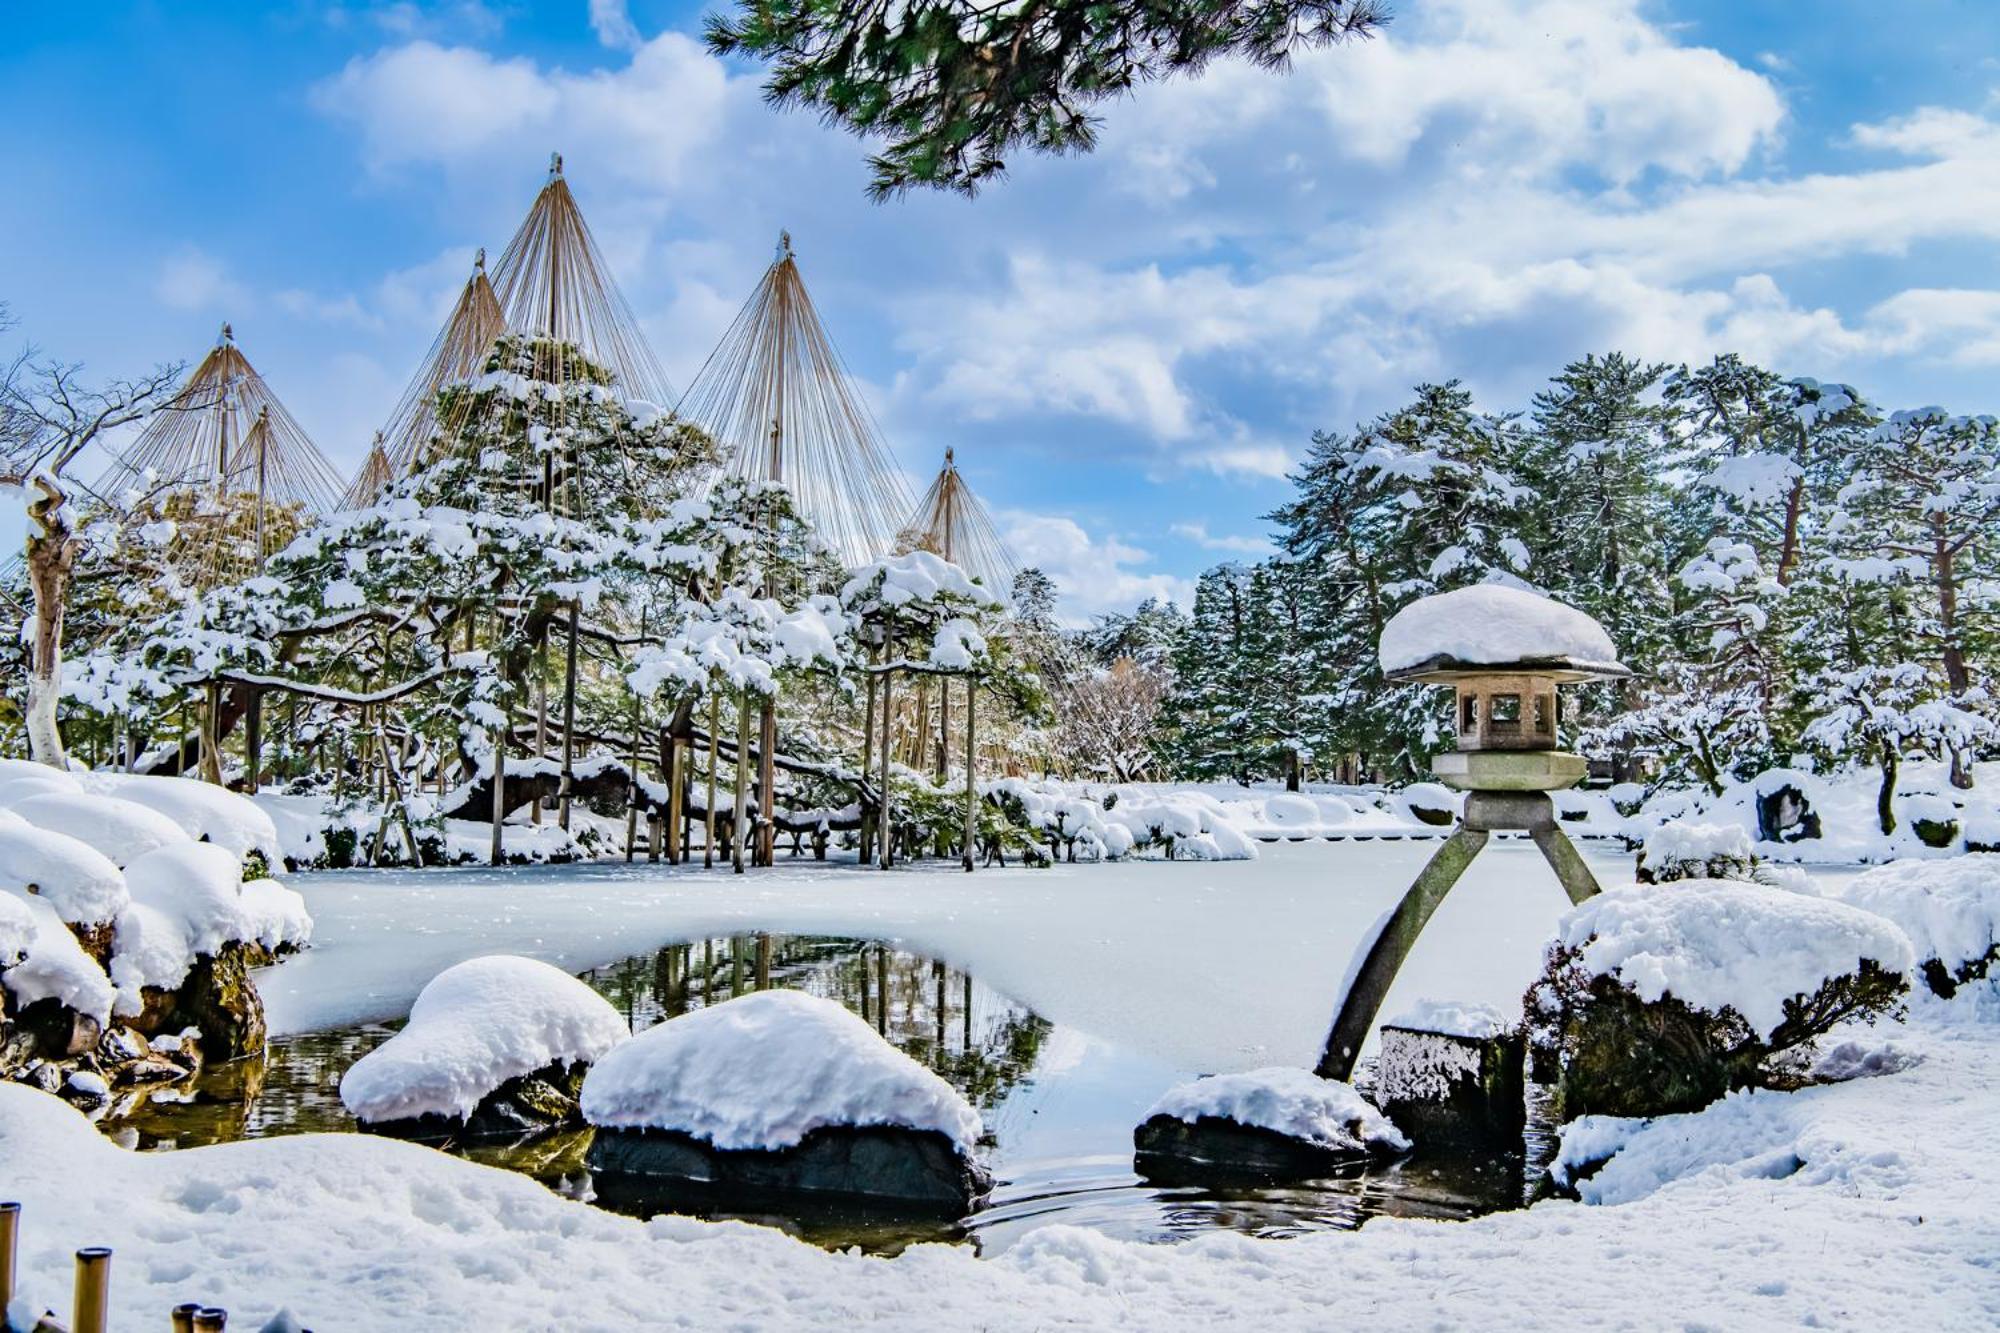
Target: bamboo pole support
569 718
676 775
541 713
497 853
183 1316
211 1319
90 1310
884 827
767 782
714 759
742 783
971 788
10 1242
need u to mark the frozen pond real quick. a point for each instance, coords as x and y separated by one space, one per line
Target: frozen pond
1062 1002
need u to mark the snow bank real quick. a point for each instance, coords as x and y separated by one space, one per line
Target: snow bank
765 1070
1491 625
122 830
474 1027
1288 1101
76 879
1714 944
1949 909
204 811
1455 1018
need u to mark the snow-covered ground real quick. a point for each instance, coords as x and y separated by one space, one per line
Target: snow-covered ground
1861 1205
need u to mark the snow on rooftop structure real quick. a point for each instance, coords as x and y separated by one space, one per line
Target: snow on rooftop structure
1495 627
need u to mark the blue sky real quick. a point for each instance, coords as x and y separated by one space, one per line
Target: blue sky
1127 349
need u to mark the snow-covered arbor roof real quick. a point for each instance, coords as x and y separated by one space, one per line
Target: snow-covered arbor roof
1491 628
777 398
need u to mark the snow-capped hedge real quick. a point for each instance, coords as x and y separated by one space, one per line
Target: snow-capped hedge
1949 909
474 1027
767 1069
1289 1101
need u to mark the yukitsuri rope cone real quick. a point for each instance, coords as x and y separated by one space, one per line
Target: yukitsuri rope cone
458 354
777 399
229 467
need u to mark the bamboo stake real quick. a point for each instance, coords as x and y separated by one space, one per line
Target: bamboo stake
90 1312
767 781
569 719
10 1242
867 753
499 789
541 713
675 777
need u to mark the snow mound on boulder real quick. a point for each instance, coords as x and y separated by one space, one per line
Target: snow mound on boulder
122 830
204 811
12 769
16 789
1949 909
474 1027
1714 944
56 967
74 878
17 929
198 885
275 916
1288 1101
1490 625
764 1071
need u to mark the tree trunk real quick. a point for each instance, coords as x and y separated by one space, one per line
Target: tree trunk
569 718
496 854
253 742
1885 799
767 781
51 555
867 756
714 761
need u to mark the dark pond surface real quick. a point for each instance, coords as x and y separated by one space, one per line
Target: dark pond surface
1059 1107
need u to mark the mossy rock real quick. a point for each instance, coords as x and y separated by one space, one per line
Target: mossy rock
1785 815
220 998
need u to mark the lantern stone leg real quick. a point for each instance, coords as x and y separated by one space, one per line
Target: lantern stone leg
1486 812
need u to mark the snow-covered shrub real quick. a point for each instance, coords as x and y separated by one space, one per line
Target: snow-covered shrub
122 830
1659 999
1683 849
1949 909
474 1029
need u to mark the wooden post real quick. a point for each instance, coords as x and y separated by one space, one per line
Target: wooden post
499 790
882 989
211 758
211 1319
867 757
541 713
183 1315
253 738
971 790
632 787
676 776
714 759
767 779
90 1311
884 827
742 782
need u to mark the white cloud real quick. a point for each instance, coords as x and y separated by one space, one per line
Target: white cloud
196 280
1094 575
1199 534
611 20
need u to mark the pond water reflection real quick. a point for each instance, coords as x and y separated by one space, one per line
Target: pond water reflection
1059 1106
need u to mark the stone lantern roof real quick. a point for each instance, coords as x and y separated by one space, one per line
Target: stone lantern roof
1495 629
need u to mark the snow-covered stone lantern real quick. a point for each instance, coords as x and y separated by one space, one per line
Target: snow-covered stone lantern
1505 652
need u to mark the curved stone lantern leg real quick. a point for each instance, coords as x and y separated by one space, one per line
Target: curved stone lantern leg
1486 813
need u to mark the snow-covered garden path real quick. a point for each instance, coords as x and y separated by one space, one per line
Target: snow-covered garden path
1208 966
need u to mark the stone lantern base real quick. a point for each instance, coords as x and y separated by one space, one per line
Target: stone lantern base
1510 770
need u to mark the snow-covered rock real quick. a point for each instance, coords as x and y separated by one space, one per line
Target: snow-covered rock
1492 625
1949 909
1725 944
1293 1102
765 1070
473 1028
197 885
76 879
122 830
56 967
275 916
17 929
